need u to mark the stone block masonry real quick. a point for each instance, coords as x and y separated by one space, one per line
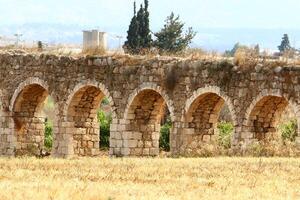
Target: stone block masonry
139 91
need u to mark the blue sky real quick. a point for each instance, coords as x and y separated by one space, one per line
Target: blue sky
210 18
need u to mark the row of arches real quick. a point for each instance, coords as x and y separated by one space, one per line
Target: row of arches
76 128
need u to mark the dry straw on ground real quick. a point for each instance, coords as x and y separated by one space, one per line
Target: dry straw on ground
141 178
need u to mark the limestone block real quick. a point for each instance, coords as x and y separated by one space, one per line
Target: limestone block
189 131
130 116
298 141
123 121
119 143
118 136
155 136
95 151
140 143
154 151
125 151
81 151
148 144
137 135
130 143
127 135
246 135
206 138
146 151
90 144
111 151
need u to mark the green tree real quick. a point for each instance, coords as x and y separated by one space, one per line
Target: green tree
145 27
170 38
132 43
105 121
164 139
48 135
289 130
140 22
40 45
225 134
285 44
139 36
257 49
234 49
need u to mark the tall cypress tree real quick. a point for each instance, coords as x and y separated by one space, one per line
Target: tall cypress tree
285 44
139 36
146 27
140 22
132 34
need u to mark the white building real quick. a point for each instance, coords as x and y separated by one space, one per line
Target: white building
94 39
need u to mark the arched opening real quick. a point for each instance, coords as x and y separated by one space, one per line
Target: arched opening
87 108
208 120
266 117
144 117
29 120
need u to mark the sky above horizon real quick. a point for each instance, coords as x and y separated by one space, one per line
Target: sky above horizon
114 16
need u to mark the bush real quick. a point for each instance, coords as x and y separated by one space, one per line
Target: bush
105 101
272 148
105 121
48 135
246 58
164 140
225 134
289 130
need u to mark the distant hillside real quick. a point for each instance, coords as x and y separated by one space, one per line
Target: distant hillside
219 39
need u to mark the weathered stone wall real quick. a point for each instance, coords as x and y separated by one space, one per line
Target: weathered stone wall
139 90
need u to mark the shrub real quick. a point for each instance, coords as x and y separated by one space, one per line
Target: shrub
289 130
246 58
40 45
272 148
164 140
105 121
225 134
48 135
105 101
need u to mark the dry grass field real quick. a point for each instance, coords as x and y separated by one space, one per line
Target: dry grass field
150 178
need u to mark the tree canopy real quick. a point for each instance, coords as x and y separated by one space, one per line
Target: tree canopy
138 34
171 38
285 44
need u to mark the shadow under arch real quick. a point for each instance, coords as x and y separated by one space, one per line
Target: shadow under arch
266 112
143 114
201 116
26 106
80 113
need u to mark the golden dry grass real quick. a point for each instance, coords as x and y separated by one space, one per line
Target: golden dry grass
157 178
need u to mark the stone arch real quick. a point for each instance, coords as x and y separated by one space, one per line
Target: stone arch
264 114
22 85
156 88
26 107
142 118
201 115
80 112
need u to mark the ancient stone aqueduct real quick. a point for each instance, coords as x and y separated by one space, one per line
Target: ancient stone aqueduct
138 91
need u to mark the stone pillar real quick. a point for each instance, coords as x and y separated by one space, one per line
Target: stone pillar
175 132
7 138
115 141
63 140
